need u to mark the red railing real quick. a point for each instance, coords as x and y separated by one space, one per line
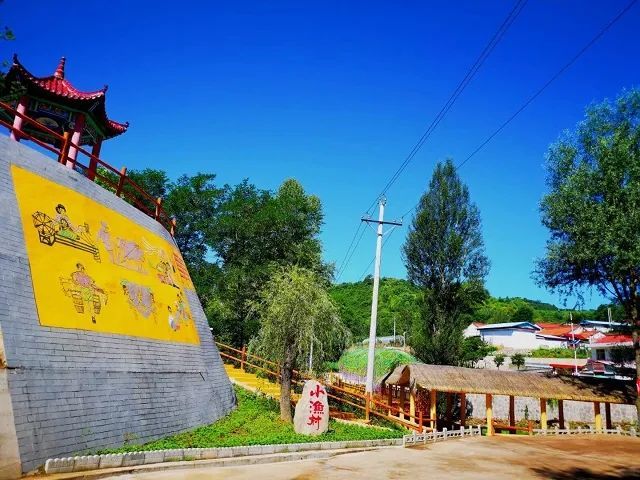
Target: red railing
341 396
111 178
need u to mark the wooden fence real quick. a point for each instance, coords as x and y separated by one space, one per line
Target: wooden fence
345 398
93 168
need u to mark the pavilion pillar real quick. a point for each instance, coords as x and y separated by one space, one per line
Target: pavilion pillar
433 408
543 413
93 164
18 121
463 409
598 416
412 404
401 401
489 407
607 411
449 413
512 412
75 140
390 398
561 414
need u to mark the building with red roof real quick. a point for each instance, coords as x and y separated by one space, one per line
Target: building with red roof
611 347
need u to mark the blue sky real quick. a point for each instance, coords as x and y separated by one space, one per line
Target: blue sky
336 95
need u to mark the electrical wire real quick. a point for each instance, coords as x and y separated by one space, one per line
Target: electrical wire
538 92
488 49
486 52
364 274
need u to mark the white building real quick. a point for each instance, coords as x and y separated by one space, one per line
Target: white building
472 330
603 345
513 335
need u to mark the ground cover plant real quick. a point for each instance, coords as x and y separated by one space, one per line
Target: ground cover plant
354 361
559 353
256 421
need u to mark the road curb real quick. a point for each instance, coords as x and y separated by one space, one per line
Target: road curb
195 456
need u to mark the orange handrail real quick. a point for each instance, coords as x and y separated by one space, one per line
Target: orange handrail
91 171
367 405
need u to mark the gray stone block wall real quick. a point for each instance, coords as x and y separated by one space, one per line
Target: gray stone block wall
75 391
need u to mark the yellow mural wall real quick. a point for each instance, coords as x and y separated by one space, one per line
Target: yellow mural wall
94 269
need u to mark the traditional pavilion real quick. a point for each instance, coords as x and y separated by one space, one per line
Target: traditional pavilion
406 384
55 103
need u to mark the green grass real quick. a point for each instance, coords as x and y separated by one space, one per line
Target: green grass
558 353
354 361
256 421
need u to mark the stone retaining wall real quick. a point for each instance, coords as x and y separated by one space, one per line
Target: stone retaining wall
74 390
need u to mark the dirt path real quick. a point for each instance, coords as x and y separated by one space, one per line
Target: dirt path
497 458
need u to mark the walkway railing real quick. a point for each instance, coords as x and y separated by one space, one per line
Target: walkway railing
343 397
422 438
93 167
586 431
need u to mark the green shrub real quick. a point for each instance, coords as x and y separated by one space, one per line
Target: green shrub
256 421
559 353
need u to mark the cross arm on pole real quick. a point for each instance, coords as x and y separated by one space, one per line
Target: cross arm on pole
397 223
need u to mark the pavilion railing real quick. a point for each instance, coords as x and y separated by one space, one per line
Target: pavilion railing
345 398
94 168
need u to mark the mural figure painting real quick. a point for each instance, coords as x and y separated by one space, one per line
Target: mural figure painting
84 292
140 298
60 229
122 252
157 259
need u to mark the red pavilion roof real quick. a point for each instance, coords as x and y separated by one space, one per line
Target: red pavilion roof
58 87
57 84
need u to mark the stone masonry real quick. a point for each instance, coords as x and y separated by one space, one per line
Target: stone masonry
74 391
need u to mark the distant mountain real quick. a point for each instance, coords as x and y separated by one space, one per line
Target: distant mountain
399 300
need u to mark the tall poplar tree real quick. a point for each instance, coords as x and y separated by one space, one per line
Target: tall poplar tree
444 256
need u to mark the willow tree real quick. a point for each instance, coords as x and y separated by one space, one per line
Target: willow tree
299 326
444 256
592 210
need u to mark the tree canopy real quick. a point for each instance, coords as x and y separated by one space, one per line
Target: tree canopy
592 209
444 256
295 315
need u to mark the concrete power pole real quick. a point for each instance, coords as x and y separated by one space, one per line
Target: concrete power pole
376 286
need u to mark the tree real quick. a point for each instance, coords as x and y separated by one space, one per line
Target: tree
6 34
524 313
256 232
518 360
474 349
592 208
498 359
444 256
295 312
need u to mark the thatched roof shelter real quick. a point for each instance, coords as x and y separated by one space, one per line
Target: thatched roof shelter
522 384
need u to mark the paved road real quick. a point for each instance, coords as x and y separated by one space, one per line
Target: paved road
497 458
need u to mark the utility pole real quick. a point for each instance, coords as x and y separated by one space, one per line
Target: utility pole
376 286
575 350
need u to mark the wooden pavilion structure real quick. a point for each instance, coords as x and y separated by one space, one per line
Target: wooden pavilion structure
406 385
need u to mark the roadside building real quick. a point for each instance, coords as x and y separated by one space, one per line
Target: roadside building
611 347
472 330
512 335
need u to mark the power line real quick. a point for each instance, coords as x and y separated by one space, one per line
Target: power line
542 88
342 263
348 258
364 274
486 52
551 80
488 49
